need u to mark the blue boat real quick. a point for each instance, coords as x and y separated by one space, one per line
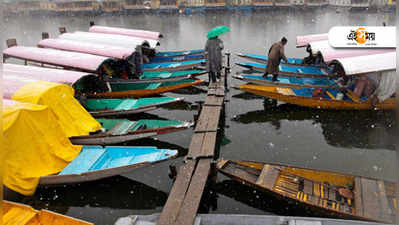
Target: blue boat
172 66
289 70
96 162
179 53
292 82
176 58
264 58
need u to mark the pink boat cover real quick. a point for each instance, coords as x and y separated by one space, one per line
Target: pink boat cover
127 32
12 84
8 102
302 41
75 60
329 53
13 71
108 39
87 47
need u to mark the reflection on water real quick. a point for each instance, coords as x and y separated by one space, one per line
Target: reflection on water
348 129
257 129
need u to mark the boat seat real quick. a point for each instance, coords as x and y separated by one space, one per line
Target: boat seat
371 199
18 216
84 161
268 176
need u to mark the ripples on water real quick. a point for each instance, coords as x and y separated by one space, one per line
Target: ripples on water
257 128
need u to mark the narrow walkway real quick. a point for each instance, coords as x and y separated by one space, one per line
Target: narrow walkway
185 196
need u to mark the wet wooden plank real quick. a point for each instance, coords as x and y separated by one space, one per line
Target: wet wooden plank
209 144
369 193
358 196
268 177
176 196
191 203
196 145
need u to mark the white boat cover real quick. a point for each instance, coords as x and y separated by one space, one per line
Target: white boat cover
368 63
329 53
110 39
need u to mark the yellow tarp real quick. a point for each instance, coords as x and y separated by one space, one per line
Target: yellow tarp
34 146
73 118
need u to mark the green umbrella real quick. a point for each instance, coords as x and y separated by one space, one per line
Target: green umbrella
218 31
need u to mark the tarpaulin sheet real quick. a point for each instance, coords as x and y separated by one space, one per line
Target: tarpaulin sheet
73 118
34 145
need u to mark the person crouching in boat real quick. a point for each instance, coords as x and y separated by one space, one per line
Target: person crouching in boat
276 53
213 53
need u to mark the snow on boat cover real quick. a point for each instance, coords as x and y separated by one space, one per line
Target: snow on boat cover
111 39
153 35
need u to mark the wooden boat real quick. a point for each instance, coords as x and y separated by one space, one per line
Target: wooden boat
264 58
303 41
137 90
100 65
332 194
110 39
111 107
179 53
173 66
240 219
303 97
177 58
20 214
291 82
16 76
119 131
126 32
289 70
96 162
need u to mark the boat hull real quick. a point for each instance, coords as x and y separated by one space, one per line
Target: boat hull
287 82
272 92
143 92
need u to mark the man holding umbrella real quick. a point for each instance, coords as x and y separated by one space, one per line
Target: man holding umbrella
213 52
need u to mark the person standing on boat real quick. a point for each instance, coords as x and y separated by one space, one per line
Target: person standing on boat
213 53
276 53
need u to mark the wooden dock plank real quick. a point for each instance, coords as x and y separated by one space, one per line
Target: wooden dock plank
176 195
191 203
209 144
196 145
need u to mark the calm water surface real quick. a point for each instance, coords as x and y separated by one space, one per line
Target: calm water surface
258 129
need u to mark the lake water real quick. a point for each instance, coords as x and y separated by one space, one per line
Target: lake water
360 143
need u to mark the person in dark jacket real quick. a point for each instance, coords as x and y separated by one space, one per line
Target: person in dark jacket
276 53
213 52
